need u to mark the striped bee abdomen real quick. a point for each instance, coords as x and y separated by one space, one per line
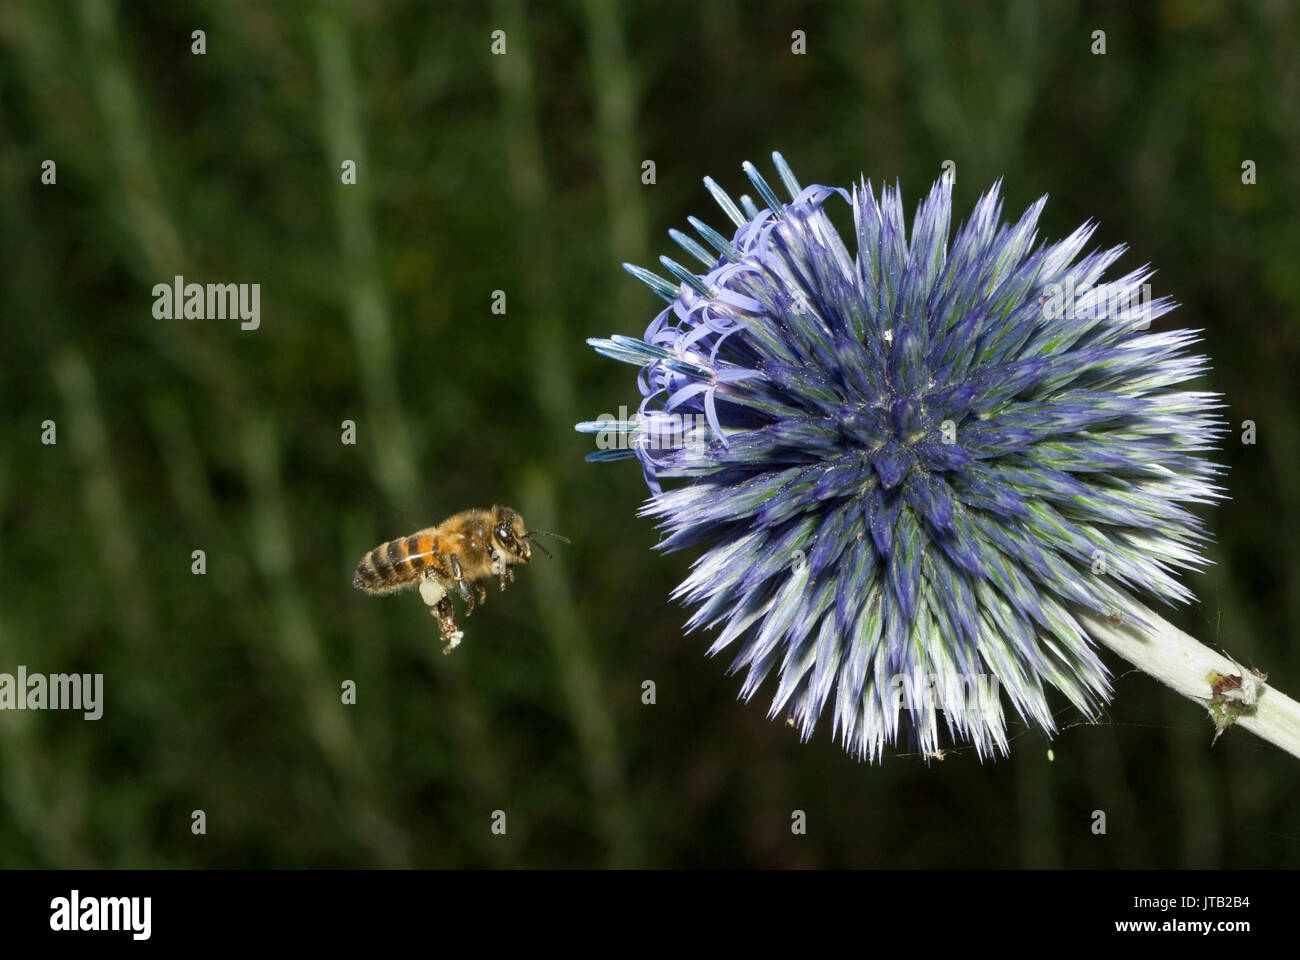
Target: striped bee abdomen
395 564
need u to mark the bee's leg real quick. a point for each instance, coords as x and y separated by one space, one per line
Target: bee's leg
482 593
451 632
499 567
434 593
431 589
465 592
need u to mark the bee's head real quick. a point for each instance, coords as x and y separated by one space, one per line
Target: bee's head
510 536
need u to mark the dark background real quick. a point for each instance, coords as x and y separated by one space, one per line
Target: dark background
522 173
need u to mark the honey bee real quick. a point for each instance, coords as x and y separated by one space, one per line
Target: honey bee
451 558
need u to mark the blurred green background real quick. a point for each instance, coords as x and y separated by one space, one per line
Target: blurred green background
522 173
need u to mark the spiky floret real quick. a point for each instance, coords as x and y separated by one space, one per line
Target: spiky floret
911 463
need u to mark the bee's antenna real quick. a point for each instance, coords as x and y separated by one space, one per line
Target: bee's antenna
545 533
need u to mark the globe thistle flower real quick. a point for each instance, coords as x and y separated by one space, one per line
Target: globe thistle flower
918 468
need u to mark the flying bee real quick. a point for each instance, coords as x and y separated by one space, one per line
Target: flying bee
452 558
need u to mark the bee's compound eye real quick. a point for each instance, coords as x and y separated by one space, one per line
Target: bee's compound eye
503 533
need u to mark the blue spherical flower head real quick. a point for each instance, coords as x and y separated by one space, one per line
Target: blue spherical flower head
911 464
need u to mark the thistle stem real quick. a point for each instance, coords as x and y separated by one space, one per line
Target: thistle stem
1185 664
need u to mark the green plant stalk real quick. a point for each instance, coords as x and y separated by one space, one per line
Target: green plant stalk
579 670
374 337
367 313
300 646
1188 666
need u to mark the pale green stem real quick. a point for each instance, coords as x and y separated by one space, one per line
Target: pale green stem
101 490
376 343
300 646
368 315
1187 665
579 671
